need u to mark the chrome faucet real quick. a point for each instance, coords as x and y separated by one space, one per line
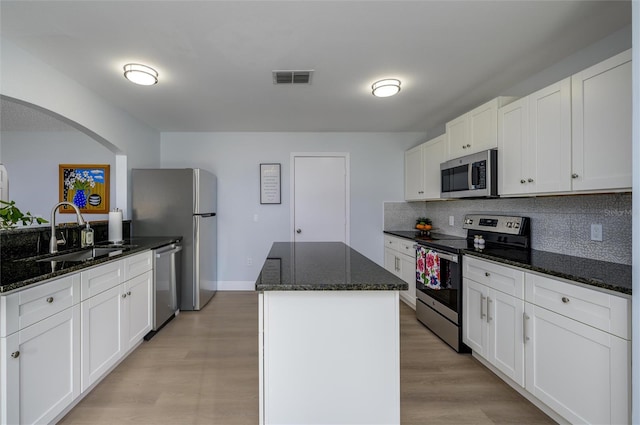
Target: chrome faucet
54 242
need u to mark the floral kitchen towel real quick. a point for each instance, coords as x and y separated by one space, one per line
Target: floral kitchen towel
428 268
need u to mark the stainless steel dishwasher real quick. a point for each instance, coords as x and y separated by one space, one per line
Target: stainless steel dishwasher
166 285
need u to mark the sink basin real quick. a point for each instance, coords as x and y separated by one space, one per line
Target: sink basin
86 255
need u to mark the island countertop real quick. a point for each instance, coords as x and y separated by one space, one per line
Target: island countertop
323 266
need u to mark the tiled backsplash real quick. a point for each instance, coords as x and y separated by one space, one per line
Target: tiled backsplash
559 224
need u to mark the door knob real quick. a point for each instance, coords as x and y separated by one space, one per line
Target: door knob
298 230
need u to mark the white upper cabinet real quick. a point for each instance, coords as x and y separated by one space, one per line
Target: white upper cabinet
601 109
413 174
534 142
422 170
475 131
573 136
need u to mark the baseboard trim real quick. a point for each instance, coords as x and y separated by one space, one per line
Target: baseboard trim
236 285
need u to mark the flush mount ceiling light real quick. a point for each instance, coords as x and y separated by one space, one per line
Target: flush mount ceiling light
385 88
140 74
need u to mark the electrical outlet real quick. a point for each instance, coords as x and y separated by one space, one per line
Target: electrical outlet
596 232
249 261
451 220
255 218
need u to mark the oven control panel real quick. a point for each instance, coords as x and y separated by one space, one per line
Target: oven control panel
510 225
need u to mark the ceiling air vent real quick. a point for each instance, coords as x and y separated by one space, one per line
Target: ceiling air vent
292 77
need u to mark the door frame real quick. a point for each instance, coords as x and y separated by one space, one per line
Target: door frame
347 178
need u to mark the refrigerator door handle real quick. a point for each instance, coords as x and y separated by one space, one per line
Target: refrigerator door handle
173 283
206 215
196 261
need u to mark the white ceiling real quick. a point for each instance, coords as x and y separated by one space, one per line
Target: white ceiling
215 57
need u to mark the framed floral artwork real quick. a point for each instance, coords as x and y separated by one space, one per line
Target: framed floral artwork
86 186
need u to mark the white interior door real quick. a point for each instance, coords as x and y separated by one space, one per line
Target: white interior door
320 198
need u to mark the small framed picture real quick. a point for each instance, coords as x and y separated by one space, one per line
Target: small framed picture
86 186
270 184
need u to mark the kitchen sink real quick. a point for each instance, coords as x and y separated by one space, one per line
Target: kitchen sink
87 254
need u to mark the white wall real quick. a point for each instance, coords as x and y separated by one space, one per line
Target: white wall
28 79
377 170
635 349
32 159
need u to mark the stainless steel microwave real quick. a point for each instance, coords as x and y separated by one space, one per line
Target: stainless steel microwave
471 176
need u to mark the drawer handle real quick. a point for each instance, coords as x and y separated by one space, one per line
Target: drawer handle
128 292
50 300
15 354
487 274
565 300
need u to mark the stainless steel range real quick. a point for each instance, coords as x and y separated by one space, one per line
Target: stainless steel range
439 269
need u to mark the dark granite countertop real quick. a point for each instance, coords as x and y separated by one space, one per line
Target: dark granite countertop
323 266
598 274
20 273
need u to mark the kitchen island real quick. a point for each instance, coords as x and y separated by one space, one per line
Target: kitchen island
329 337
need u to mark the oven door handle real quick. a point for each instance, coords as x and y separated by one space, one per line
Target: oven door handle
443 255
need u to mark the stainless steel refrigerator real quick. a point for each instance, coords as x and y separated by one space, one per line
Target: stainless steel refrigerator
181 202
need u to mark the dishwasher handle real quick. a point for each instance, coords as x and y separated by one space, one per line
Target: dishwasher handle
168 251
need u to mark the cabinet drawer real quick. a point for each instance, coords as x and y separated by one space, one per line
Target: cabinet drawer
391 242
405 247
135 265
607 312
501 278
101 278
24 308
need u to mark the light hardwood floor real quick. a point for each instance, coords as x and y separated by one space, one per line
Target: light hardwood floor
202 368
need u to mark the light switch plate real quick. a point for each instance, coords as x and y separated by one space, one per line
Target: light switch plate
451 220
596 232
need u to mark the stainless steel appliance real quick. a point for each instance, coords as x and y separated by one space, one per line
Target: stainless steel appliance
439 304
470 176
166 278
181 202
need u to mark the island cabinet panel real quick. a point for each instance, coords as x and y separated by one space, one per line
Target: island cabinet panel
330 357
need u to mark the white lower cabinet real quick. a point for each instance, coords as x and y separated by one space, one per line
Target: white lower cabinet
138 308
568 346
102 334
60 337
579 371
399 259
493 328
113 322
40 369
39 351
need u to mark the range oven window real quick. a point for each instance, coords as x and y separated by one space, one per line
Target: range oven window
450 281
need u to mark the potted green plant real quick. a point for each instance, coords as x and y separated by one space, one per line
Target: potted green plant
10 216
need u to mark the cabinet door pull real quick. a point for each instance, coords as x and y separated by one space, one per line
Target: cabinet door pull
523 181
525 335
50 300
482 313
128 292
487 274
15 354
565 300
468 145
530 180
124 295
489 318
574 176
